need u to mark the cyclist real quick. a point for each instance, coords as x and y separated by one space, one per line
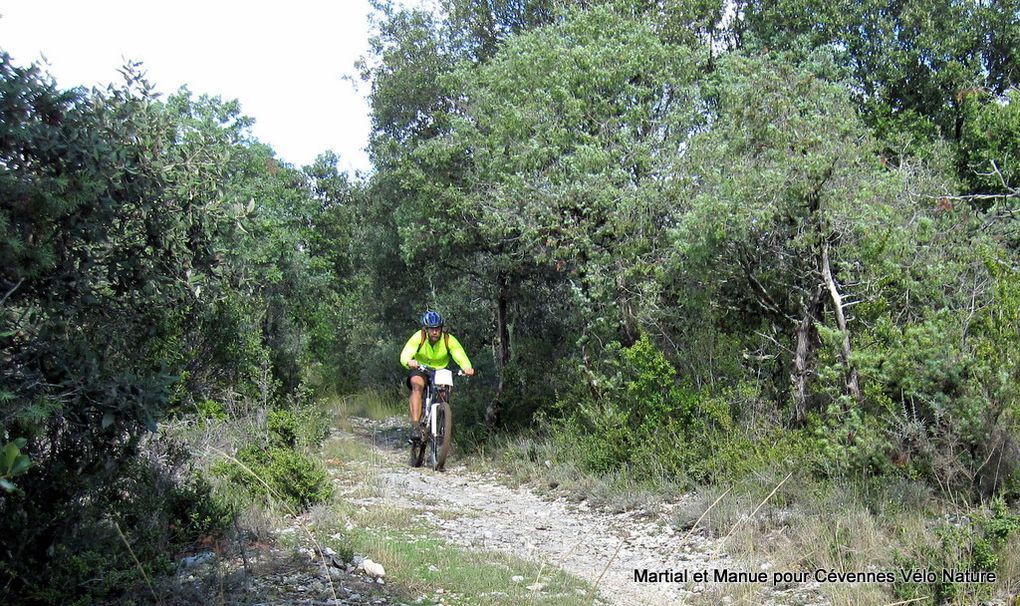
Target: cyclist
431 346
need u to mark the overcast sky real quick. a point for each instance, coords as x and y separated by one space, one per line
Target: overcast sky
283 61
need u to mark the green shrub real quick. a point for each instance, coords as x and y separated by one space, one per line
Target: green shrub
195 511
154 503
277 472
210 410
304 426
643 417
975 543
283 428
848 442
102 572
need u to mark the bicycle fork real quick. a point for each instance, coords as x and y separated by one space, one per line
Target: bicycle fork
433 406
429 407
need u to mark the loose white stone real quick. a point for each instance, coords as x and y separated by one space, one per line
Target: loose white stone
373 569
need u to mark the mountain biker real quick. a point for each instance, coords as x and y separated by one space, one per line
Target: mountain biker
433 347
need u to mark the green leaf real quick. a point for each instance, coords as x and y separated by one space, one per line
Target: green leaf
7 485
10 454
21 465
108 420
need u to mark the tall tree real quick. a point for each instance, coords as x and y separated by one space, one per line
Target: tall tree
561 127
909 58
778 192
478 29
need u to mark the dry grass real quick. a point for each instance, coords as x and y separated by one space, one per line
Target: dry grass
341 451
1011 569
539 463
816 525
369 404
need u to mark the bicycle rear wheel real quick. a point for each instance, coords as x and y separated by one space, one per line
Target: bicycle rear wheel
440 442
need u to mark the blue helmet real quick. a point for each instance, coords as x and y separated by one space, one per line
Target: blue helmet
431 319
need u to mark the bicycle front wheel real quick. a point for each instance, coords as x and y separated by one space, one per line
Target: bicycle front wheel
440 442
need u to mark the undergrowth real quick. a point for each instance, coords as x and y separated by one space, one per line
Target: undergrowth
801 522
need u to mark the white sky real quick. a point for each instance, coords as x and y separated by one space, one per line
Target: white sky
283 61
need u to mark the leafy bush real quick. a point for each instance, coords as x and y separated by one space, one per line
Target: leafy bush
272 465
283 428
13 463
126 294
642 416
276 472
155 503
210 410
195 512
291 428
975 543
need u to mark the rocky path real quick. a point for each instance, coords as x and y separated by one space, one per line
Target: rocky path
603 549
477 511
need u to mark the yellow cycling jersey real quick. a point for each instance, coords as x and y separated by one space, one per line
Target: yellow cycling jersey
436 356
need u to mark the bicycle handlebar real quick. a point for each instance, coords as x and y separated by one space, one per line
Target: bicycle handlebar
460 373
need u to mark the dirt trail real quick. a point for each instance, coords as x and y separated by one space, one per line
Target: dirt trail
478 512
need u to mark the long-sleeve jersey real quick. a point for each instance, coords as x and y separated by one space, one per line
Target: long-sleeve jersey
419 348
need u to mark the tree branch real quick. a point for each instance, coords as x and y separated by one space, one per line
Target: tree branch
852 381
764 298
11 291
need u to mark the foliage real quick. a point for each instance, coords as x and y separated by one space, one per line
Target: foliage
276 468
277 473
154 256
791 200
296 427
906 57
970 545
13 463
161 507
195 512
641 416
989 151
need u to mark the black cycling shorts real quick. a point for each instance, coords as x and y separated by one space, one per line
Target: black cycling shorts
416 372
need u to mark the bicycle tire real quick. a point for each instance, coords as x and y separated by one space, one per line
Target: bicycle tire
418 453
440 443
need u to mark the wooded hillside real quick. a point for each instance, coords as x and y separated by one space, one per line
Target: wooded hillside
690 238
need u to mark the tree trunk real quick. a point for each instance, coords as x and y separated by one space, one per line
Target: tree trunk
493 410
807 343
628 323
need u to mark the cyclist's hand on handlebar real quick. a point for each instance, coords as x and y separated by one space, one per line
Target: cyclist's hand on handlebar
468 372
413 364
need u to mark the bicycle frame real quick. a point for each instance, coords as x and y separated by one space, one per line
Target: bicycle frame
437 418
435 393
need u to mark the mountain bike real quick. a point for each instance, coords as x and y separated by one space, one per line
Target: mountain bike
437 420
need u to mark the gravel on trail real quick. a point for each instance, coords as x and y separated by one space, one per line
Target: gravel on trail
607 549
474 511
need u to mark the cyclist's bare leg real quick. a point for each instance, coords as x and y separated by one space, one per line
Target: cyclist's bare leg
414 401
